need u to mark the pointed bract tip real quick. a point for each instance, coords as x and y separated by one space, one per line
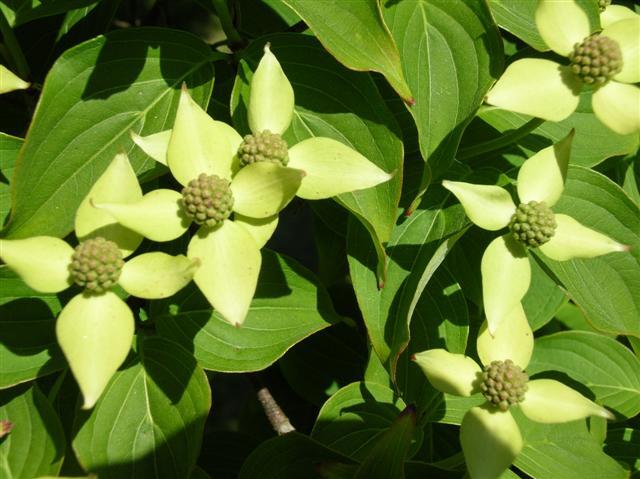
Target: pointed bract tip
410 101
89 403
408 212
608 414
381 284
267 47
412 357
184 88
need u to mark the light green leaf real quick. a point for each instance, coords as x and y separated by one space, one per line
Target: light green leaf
506 276
451 53
563 450
349 110
94 95
561 24
9 147
512 340
117 184
518 19
332 168
271 99
289 305
604 287
198 143
95 334
18 12
541 178
355 33
574 240
605 366
490 207
490 441
448 372
356 416
28 346
156 275
156 408
36 444
42 262
617 105
263 189
9 81
158 215
536 87
229 266
551 402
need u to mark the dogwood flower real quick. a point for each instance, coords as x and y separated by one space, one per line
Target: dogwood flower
490 437
506 272
610 14
200 155
331 167
95 328
608 62
9 81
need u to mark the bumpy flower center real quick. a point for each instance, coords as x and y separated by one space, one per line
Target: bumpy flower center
596 60
265 146
207 200
603 4
96 264
533 224
503 384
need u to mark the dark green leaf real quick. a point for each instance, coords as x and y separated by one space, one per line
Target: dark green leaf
606 287
94 95
623 445
9 147
35 446
289 305
355 33
334 102
150 418
292 456
602 364
18 12
28 345
451 53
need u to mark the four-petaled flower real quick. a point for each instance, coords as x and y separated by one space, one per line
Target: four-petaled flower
95 328
506 272
489 435
608 61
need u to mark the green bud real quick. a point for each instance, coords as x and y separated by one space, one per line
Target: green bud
596 60
533 224
503 384
207 200
264 146
96 264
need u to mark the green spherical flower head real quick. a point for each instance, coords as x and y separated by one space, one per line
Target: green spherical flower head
207 200
96 265
265 146
596 60
533 224
603 4
503 384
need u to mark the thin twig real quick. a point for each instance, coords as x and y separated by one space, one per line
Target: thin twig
274 412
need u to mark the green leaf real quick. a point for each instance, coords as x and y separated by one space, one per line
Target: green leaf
36 445
292 455
9 147
602 364
622 444
566 450
355 418
416 248
94 95
28 346
387 456
518 18
18 12
543 299
335 103
355 33
606 287
150 418
288 306
451 53
592 144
